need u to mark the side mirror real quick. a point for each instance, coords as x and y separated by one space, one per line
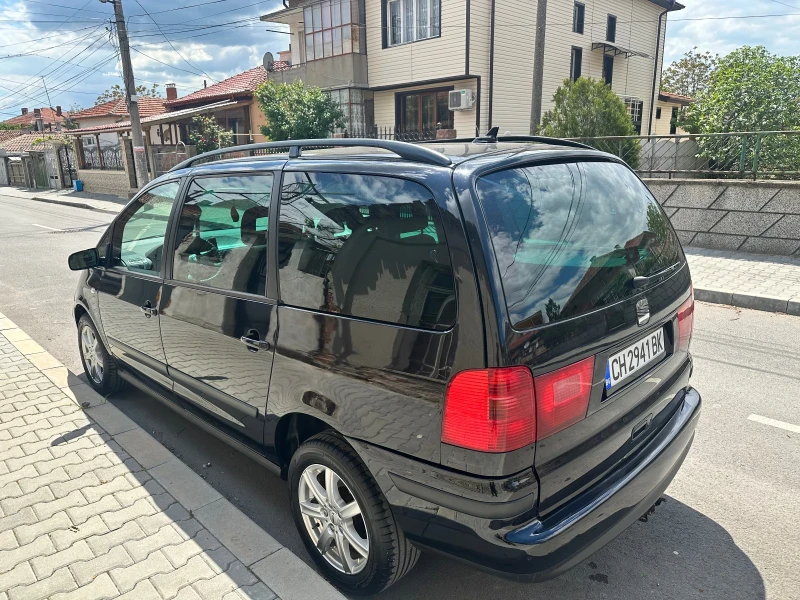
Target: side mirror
85 259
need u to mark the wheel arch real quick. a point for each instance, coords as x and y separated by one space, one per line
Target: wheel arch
292 430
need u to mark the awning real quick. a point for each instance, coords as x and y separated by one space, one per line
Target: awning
286 16
167 117
609 48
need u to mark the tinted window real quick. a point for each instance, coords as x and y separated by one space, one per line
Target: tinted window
139 233
365 246
222 233
569 238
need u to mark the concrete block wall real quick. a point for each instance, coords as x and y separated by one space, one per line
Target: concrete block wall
749 216
106 182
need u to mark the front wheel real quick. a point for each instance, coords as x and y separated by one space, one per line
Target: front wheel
344 519
99 365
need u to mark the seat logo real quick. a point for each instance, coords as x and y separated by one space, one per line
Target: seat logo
643 312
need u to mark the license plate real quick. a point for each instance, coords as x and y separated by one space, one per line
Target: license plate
636 357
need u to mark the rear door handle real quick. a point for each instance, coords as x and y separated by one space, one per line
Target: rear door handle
254 345
148 310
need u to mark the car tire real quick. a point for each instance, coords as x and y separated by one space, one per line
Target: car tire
100 367
389 556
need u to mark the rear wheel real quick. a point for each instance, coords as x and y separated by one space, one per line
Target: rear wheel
344 519
99 365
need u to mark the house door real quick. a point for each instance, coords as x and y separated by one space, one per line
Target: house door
39 171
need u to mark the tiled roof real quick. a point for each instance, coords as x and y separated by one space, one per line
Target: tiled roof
238 84
48 115
7 135
167 117
119 108
676 97
22 143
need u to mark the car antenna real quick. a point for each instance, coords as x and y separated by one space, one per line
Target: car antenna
489 138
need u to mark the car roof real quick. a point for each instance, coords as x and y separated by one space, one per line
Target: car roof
450 153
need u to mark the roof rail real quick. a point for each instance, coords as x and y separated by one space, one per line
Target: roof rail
404 150
489 139
541 139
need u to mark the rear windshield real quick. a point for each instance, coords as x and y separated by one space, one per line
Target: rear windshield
570 237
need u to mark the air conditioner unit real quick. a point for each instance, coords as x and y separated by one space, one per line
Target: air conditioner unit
461 100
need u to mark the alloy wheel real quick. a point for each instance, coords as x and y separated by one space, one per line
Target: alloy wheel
333 519
92 355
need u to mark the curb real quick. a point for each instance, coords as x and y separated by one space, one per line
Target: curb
272 563
75 205
789 306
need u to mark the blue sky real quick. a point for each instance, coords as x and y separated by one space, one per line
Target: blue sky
66 42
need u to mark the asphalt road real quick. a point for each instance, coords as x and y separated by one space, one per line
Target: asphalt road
730 529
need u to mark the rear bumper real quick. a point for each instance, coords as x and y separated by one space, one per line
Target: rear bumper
525 548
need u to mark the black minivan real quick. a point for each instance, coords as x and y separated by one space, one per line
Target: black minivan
478 348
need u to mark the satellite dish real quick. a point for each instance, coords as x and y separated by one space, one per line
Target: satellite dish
269 60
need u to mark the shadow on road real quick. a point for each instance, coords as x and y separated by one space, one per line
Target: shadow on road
678 554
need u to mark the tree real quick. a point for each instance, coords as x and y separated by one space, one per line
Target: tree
9 127
690 75
116 92
750 90
294 111
588 108
206 134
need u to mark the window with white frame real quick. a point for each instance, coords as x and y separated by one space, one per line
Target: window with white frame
412 20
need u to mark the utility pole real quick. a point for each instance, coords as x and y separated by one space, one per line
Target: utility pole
132 100
538 66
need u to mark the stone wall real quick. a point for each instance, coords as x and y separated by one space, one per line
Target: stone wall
749 216
106 182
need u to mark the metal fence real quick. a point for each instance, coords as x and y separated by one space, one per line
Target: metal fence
749 155
107 159
390 133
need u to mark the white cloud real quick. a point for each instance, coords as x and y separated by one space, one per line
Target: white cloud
721 36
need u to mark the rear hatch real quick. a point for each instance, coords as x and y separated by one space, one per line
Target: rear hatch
593 279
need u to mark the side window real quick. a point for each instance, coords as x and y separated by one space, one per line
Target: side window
222 233
138 244
102 246
366 246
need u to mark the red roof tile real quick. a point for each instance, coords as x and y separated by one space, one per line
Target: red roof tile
23 143
119 108
238 84
7 135
48 115
676 97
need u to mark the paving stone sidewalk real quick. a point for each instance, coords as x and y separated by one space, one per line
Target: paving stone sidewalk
91 506
104 203
761 282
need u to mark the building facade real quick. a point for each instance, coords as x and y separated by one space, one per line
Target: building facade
406 56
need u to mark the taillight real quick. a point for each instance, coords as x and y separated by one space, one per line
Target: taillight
504 409
562 397
686 321
490 410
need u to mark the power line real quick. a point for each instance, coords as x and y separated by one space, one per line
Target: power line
58 35
62 6
166 64
174 9
170 43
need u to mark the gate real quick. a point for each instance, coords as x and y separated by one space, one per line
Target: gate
16 173
39 171
65 160
164 159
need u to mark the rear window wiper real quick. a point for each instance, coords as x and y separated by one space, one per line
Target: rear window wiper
641 281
